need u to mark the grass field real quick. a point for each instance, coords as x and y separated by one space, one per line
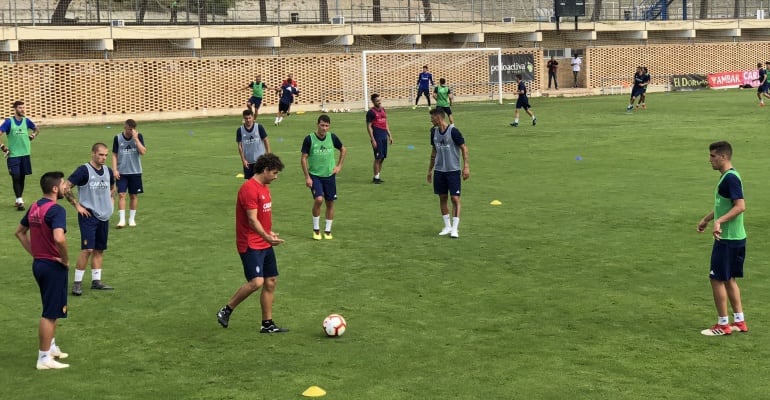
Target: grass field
588 282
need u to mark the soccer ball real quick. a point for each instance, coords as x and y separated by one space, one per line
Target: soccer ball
334 325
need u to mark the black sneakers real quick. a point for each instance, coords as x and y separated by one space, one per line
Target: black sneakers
223 317
271 328
77 288
98 285
377 181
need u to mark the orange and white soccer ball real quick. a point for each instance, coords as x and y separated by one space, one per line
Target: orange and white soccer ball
334 325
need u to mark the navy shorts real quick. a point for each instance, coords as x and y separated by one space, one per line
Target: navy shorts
259 263
18 166
447 110
381 152
256 101
421 91
51 277
523 102
248 172
727 257
283 107
93 232
130 183
446 182
637 91
326 187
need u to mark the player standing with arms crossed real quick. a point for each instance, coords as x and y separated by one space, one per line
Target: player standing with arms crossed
41 233
379 135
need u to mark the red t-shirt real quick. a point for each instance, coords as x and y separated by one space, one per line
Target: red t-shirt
252 196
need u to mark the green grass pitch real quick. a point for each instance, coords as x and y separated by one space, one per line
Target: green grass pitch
588 282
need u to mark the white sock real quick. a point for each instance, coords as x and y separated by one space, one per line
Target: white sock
377 176
533 117
122 215
447 223
53 343
280 120
455 223
79 275
738 317
42 355
723 320
20 200
516 120
131 215
328 226
316 223
276 120
96 274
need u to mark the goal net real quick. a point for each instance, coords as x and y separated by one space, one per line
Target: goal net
472 74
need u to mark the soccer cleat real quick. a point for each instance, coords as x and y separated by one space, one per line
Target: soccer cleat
717 330
131 223
447 230
50 363
629 108
316 235
454 234
739 326
77 288
98 285
272 329
514 124
223 317
57 353
121 225
534 121
328 236
377 181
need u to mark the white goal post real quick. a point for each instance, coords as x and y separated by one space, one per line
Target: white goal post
364 66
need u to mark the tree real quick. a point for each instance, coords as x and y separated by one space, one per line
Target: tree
704 9
323 5
426 11
263 11
60 12
597 10
376 11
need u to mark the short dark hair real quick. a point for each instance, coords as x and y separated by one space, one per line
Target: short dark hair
425 66
438 112
324 118
518 76
722 148
49 180
374 96
441 81
268 161
97 146
131 123
18 103
246 113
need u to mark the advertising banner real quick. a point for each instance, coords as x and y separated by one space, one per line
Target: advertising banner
513 64
689 82
733 79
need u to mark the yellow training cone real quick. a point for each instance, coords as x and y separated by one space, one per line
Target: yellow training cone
239 176
314 391
495 202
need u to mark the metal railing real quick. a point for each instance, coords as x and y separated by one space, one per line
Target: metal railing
198 12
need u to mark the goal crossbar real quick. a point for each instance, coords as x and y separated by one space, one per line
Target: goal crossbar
498 50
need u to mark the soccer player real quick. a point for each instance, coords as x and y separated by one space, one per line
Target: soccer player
762 89
287 92
729 250
637 89
379 135
424 82
257 93
553 66
320 171
444 97
444 171
96 191
252 143
522 102
20 131
290 79
255 239
646 82
41 233
127 151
